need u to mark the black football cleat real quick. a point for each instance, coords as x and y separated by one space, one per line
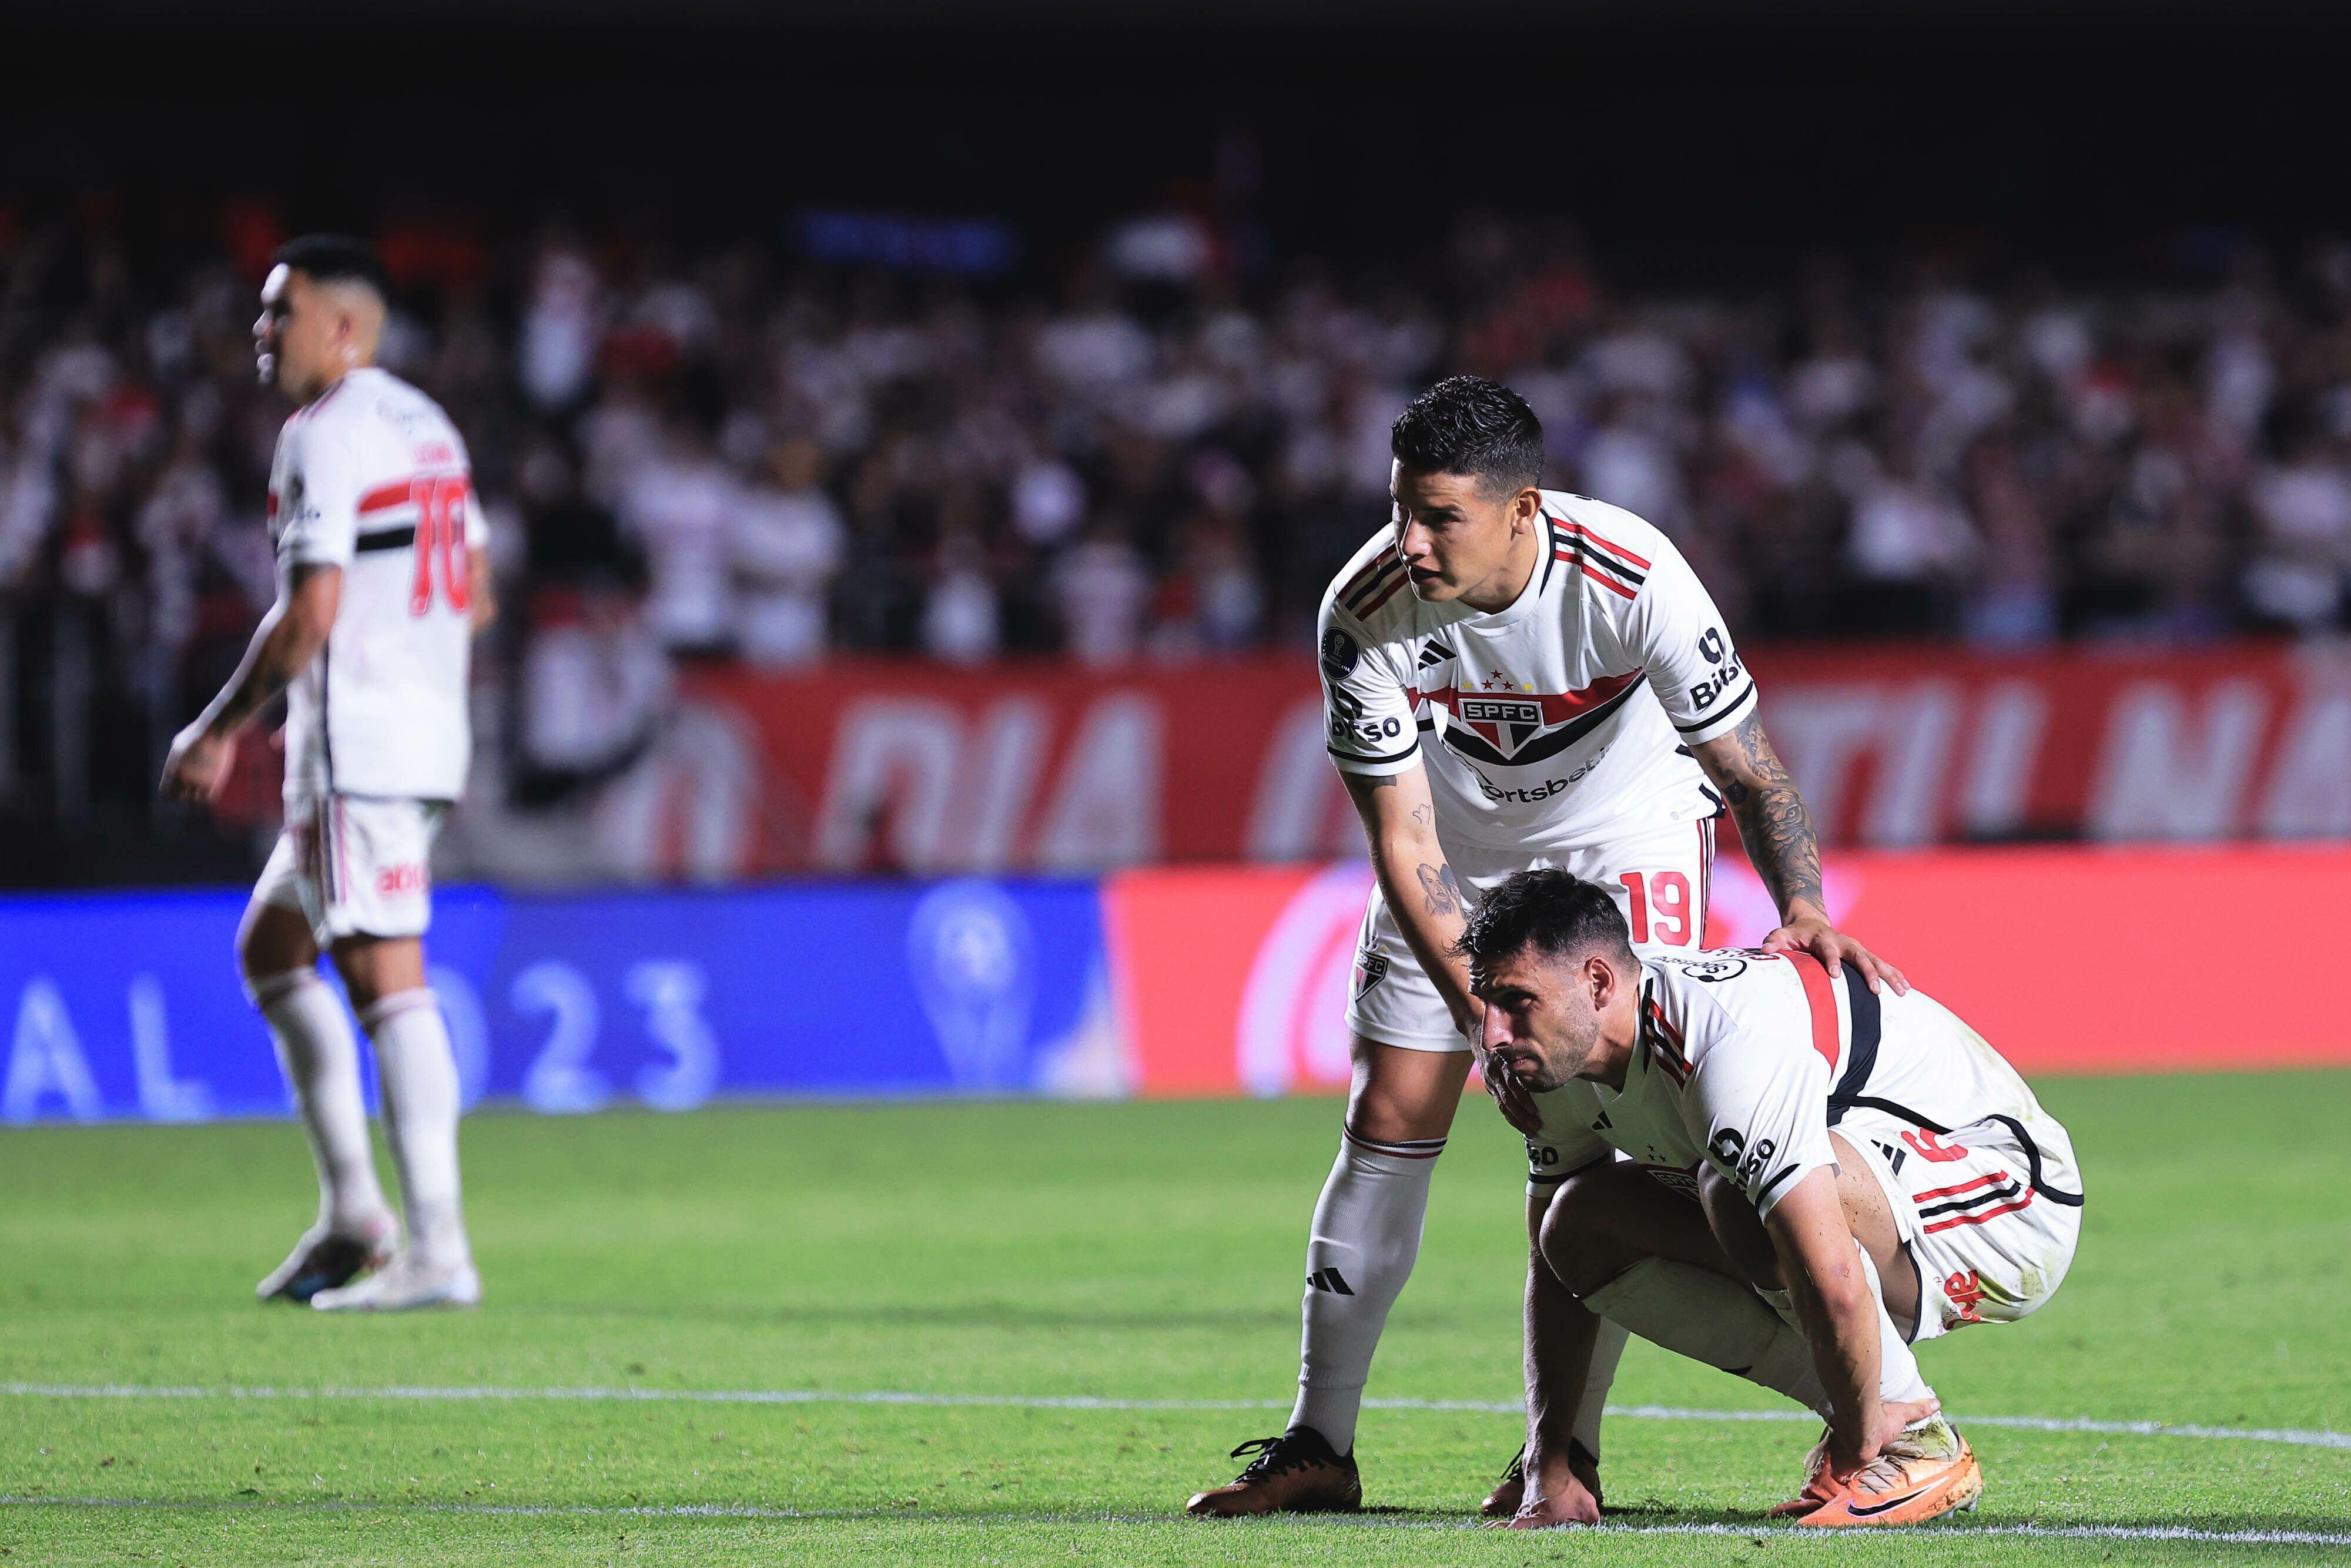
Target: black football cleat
1294 1473
324 1259
1509 1492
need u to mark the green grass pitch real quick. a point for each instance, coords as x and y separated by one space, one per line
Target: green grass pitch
1127 1251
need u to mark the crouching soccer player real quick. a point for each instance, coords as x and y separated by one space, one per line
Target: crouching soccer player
1820 1176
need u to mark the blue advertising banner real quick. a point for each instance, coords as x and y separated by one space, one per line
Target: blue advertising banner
129 1008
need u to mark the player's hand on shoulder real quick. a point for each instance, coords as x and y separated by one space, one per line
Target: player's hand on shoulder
1812 933
197 765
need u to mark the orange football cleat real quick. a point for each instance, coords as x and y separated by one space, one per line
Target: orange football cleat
1927 1472
1817 1488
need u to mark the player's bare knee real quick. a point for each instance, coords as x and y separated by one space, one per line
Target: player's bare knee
1585 1240
1538 1207
374 968
1738 1229
272 942
1399 1095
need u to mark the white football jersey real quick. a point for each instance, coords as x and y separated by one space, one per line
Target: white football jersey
1745 1061
372 477
1558 722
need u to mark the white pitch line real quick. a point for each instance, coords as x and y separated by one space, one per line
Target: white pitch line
1320 1521
2301 1438
2293 1437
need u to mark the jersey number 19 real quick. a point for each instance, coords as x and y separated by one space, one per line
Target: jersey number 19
1668 893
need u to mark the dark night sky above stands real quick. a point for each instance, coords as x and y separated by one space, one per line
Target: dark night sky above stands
1699 139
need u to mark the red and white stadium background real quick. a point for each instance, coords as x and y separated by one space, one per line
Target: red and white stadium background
1230 975
922 770
2070 960
1054 881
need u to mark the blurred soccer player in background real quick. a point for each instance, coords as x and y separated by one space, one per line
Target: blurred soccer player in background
380 586
1514 678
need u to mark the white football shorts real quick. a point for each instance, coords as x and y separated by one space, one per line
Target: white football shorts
1992 1210
355 866
1660 876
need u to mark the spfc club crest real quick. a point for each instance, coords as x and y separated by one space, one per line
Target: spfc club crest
1371 968
1505 722
1513 730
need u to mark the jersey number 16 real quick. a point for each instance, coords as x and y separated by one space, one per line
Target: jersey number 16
440 531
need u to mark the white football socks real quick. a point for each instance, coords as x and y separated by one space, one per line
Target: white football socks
322 1063
1365 1239
1708 1317
420 1103
1898 1377
1607 1349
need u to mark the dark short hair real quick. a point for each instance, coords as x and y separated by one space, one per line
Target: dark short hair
1468 424
336 258
1556 912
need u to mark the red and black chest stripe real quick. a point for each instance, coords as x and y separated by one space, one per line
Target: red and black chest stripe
1513 730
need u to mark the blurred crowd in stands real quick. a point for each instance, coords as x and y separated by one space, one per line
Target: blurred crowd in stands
731 453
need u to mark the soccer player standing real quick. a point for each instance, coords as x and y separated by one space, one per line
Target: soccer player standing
1514 677
381 586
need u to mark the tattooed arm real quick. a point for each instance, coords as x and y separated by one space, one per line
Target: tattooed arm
1422 893
283 645
1772 821
1778 833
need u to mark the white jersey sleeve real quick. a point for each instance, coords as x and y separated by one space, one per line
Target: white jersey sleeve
316 488
1367 702
1758 1105
1567 1141
1673 633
